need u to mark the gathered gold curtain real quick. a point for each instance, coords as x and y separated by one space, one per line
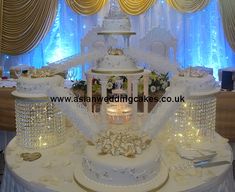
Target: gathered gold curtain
86 7
135 7
25 23
227 10
1 14
188 6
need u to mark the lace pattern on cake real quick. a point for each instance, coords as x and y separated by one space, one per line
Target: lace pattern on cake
105 175
38 86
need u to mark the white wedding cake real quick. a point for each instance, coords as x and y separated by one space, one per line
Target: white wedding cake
116 62
116 21
121 159
37 86
200 82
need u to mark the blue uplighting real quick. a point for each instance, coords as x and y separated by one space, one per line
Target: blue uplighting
204 41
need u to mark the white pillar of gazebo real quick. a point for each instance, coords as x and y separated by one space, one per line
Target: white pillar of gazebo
146 92
89 78
129 87
135 94
103 82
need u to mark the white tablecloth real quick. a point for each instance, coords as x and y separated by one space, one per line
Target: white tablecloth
54 170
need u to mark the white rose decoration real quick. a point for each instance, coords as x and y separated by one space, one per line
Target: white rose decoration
153 89
109 85
165 85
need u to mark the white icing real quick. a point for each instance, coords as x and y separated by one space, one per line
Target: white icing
37 87
120 170
116 63
116 25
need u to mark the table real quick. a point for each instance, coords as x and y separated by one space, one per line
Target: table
7 112
7 109
53 172
225 113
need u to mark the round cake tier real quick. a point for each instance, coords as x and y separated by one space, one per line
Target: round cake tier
120 170
114 24
36 87
116 64
199 86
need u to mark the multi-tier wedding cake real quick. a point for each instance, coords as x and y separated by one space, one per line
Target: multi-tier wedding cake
123 157
37 86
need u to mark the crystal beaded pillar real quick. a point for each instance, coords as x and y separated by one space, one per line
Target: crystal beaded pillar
197 113
39 124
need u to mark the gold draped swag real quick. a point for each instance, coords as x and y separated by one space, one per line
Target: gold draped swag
135 7
86 7
1 14
25 23
227 10
188 6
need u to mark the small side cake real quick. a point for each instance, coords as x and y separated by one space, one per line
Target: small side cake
36 87
199 81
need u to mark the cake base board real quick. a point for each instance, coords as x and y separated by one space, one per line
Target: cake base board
92 186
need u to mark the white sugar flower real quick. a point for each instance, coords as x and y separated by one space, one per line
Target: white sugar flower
153 89
141 80
165 85
109 85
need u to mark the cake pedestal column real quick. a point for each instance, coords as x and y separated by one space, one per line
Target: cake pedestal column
103 82
135 94
89 91
126 40
146 92
129 86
